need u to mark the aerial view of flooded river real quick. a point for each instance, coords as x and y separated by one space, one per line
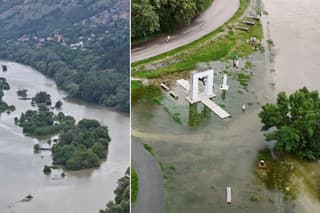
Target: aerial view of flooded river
21 169
206 157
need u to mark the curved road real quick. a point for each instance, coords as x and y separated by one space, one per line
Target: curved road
214 17
150 194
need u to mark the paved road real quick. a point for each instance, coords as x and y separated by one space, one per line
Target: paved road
215 16
150 194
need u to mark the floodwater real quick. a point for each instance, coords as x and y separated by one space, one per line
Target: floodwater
295 30
209 154
21 169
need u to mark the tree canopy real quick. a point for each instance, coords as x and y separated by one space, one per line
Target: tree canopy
121 203
294 123
81 45
159 16
82 146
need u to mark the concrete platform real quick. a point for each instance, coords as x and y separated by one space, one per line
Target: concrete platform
201 97
216 108
184 84
206 100
221 113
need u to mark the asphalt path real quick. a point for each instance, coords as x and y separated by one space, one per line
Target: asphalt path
215 16
150 180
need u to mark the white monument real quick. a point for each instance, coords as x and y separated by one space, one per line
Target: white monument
195 96
224 85
207 78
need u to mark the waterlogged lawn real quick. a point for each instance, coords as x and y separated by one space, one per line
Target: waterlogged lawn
218 45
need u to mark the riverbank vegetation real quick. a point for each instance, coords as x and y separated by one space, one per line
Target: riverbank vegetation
134 185
218 45
4 107
82 146
121 203
150 18
293 122
71 43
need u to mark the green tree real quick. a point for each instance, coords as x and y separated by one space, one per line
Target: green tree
294 122
144 19
121 203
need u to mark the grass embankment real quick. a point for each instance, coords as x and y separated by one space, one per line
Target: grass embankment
134 185
218 45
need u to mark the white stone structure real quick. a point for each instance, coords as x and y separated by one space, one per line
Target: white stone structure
207 77
203 97
224 85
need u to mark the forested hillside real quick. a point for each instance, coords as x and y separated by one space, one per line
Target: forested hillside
150 17
82 44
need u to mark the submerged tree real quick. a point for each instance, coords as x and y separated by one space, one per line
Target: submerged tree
294 123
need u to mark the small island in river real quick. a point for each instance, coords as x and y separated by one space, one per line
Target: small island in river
79 146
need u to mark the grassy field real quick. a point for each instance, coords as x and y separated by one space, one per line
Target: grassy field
218 45
134 185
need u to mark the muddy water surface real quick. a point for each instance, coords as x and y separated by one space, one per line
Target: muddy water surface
295 29
207 153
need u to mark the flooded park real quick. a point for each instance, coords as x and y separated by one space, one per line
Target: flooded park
202 154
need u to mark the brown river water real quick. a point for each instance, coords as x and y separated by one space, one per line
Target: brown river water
295 29
21 170
214 153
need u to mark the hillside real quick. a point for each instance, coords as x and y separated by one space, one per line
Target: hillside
82 44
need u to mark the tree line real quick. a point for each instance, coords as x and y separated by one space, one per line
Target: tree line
150 17
121 203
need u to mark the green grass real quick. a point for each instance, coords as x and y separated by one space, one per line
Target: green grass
148 93
244 79
218 45
134 185
149 149
136 85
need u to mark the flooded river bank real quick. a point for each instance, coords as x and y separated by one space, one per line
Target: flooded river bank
295 30
215 153
21 170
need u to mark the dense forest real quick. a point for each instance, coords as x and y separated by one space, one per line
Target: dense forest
121 203
82 44
294 122
151 17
